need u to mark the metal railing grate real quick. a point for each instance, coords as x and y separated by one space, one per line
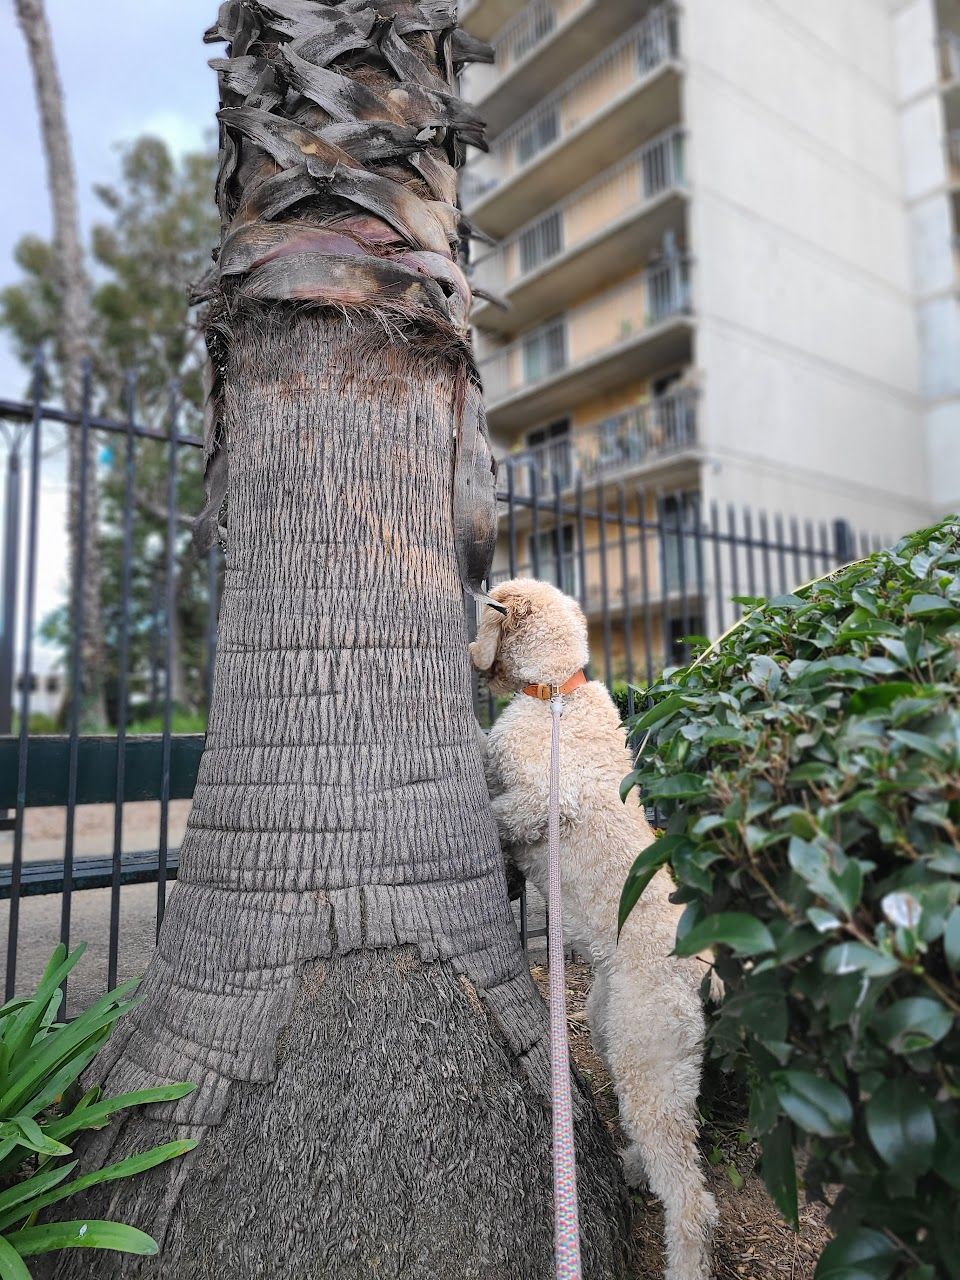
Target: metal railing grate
586 95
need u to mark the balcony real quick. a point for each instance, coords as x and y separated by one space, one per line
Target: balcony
949 58
611 450
592 121
622 335
620 217
539 48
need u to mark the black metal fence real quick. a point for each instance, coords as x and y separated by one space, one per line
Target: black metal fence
651 568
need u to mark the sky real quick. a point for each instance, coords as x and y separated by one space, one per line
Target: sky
128 68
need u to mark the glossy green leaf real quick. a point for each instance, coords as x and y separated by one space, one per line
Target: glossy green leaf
127 1168
97 1114
82 1234
951 939
899 1120
860 1254
855 957
814 1104
12 1266
913 1024
743 934
780 1172
641 873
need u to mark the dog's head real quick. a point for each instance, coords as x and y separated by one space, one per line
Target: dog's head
540 639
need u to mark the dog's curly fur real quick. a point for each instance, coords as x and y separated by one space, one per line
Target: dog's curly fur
645 1011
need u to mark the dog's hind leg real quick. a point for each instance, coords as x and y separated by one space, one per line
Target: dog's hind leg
666 1155
655 1050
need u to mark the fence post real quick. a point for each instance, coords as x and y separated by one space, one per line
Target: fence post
11 552
844 543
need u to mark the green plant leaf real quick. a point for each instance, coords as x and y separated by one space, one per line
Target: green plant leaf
899 1120
127 1168
880 696
32 1136
746 935
82 1234
860 1254
35 1186
659 711
951 939
780 1172
814 1104
913 1024
12 1266
924 604
641 873
854 957
678 786
96 1115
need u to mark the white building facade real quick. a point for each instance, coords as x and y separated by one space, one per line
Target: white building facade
750 201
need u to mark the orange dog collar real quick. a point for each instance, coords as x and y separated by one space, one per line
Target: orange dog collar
546 691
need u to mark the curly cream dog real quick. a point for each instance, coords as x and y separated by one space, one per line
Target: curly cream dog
644 1009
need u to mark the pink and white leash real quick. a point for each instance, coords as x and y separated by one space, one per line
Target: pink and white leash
566 1215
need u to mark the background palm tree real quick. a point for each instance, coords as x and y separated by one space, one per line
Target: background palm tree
71 342
339 969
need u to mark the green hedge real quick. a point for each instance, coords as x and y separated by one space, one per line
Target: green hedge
808 770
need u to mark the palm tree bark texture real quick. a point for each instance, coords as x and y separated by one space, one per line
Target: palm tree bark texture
72 348
338 968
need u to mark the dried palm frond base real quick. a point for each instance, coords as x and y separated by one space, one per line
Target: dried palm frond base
752 1240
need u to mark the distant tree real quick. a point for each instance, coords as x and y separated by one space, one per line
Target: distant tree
155 241
67 278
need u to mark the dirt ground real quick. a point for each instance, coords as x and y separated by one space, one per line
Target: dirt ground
752 1241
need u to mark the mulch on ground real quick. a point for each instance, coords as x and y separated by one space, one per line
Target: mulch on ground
752 1241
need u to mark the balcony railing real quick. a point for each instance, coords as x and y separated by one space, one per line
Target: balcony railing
580 99
663 426
949 46
953 155
635 182
610 321
532 25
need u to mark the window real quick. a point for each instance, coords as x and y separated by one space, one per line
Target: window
537 135
546 559
551 454
542 241
681 547
545 351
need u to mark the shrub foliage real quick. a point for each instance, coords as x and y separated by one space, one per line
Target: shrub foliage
808 771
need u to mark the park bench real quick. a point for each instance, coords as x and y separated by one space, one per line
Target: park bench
94 781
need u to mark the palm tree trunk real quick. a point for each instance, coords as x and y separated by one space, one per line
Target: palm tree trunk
72 338
338 968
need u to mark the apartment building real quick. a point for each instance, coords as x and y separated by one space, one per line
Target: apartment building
704 235
927 42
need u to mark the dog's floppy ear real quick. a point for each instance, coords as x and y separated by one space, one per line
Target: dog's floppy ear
483 651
